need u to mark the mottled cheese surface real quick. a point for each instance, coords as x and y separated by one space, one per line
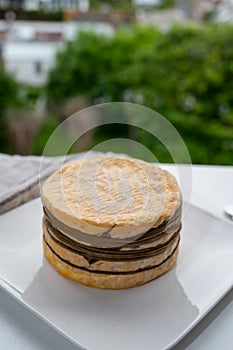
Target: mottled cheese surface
126 195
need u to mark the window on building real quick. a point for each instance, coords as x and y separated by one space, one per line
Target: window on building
38 67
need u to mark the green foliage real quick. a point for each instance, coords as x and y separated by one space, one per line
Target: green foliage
122 4
128 4
32 93
8 91
193 74
186 74
8 97
74 64
166 4
97 65
46 129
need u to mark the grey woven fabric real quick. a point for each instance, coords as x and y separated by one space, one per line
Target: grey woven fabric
21 176
19 180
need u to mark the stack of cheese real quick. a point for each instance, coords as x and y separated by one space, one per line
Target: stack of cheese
111 222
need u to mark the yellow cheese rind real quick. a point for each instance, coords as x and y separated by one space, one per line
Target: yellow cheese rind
107 281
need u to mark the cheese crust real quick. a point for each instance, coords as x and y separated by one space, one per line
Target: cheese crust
128 196
123 198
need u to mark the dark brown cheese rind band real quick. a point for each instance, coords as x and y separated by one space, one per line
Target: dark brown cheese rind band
104 241
111 272
108 254
119 253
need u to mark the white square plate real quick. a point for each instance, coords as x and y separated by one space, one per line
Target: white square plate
154 316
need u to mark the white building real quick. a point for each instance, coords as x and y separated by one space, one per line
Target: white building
47 5
195 9
222 9
225 11
29 62
30 47
162 19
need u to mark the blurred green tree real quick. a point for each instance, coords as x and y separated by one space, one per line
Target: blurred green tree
185 73
98 66
128 4
8 97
